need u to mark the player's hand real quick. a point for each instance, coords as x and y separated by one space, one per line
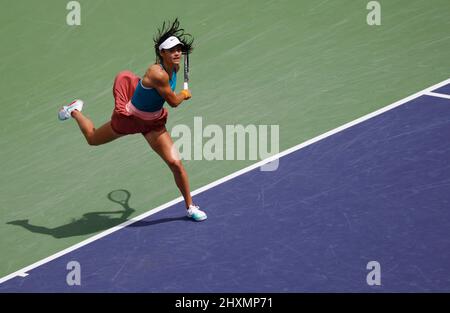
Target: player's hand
187 94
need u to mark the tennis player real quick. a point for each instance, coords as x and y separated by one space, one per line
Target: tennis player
139 107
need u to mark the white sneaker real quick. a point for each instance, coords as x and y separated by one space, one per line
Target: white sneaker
196 214
65 112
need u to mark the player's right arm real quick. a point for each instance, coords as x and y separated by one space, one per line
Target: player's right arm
159 79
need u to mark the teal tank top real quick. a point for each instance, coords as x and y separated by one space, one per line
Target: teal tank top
148 99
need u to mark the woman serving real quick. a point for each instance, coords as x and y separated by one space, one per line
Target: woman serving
139 107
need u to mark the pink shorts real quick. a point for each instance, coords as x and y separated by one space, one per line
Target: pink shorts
126 119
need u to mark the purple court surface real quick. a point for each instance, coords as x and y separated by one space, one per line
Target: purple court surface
376 191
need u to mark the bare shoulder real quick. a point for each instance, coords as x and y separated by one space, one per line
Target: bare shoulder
157 74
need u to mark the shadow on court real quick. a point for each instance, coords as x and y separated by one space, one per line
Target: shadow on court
160 221
93 222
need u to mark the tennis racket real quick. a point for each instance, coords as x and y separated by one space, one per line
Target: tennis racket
186 71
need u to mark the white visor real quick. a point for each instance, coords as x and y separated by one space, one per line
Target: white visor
170 43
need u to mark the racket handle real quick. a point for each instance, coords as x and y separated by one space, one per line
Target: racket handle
186 71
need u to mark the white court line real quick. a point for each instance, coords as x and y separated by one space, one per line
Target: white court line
439 95
224 179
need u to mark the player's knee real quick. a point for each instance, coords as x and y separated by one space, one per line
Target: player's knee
92 141
175 165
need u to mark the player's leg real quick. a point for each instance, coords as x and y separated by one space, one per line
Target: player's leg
162 143
94 136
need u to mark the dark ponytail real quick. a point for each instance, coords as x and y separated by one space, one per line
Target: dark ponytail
169 29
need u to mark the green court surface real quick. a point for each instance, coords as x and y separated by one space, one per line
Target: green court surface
307 66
